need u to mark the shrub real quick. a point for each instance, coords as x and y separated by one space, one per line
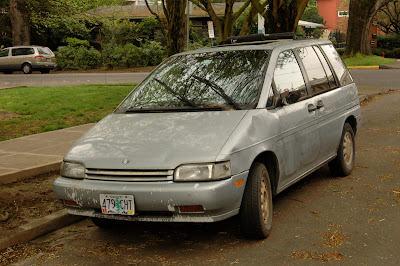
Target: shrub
74 42
152 53
340 51
395 53
77 57
121 55
388 42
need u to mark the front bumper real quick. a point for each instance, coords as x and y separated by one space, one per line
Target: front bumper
156 201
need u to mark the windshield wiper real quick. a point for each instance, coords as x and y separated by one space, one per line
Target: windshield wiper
218 90
181 97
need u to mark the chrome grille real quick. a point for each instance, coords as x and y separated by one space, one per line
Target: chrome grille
129 175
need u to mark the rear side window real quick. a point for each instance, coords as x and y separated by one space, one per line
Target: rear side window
4 53
328 71
22 51
45 51
288 78
316 73
341 72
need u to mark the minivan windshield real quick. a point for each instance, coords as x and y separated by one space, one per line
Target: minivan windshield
210 80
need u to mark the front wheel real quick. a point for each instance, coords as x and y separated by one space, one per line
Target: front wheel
27 68
343 164
256 209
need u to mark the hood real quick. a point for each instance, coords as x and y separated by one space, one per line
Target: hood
159 141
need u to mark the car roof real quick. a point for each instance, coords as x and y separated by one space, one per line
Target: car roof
260 45
26 46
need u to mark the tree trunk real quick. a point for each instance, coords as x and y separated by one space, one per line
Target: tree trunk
176 18
223 24
359 25
19 17
282 15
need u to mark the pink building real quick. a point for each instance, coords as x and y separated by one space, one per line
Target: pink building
335 13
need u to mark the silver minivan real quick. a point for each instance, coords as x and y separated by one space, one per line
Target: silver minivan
27 58
217 132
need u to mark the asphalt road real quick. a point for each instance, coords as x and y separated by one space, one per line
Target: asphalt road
388 78
69 79
321 218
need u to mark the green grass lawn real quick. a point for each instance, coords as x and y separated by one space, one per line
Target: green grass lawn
370 60
31 110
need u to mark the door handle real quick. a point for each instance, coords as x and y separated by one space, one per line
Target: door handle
320 104
311 108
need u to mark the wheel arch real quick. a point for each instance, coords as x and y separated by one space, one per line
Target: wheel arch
270 160
352 122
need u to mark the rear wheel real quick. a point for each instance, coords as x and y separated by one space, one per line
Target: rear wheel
256 209
343 164
27 68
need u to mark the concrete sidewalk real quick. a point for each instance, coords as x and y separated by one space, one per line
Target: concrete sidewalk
36 154
42 153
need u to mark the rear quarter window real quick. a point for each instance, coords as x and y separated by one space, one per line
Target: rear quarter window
44 51
316 73
4 53
340 69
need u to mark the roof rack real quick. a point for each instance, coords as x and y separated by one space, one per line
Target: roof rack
257 38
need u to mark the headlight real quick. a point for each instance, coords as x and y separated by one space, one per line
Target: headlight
73 170
203 172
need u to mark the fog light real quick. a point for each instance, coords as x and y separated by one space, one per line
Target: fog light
70 203
191 208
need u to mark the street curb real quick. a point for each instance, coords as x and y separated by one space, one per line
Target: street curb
363 67
29 172
39 227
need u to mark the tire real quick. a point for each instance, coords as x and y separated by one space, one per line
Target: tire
343 164
105 223
45 71
27 68
256 208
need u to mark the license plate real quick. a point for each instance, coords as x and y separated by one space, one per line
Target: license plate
48 59
117 204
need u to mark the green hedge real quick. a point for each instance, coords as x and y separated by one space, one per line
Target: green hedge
79 55
388 42
394 53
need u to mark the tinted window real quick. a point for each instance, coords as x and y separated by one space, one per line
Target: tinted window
315 72
196 76
341 72
44 50
288 78
22 51
329 74
4 53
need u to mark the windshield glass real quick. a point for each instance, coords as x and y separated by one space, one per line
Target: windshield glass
203 80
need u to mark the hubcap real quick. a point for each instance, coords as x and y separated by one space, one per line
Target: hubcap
264 201
26 68
348 148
